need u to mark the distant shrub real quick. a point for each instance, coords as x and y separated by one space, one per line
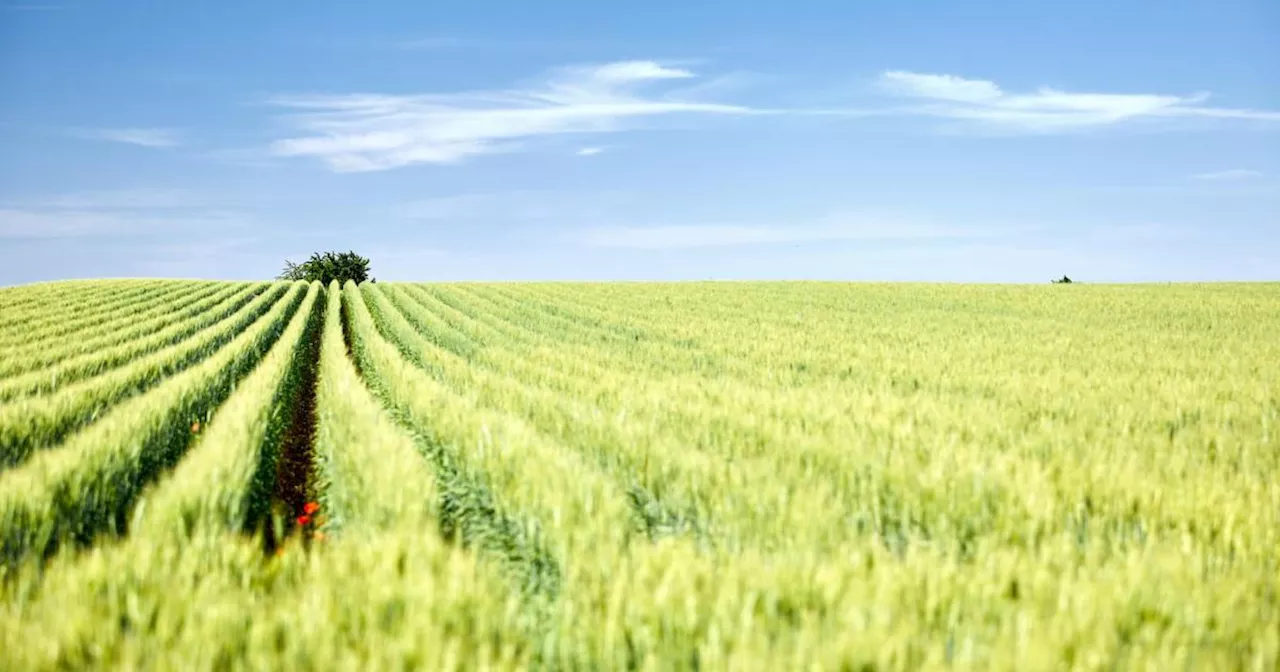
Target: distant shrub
327 267
1064 280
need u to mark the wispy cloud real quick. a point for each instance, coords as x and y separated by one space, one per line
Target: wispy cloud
1046 110
1228 175
369 132
832 228
105 214
157 138
362 132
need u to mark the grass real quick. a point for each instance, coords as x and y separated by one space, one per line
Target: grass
656 476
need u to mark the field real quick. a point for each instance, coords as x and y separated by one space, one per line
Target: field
201 475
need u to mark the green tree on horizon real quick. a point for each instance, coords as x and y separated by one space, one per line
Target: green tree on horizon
327 267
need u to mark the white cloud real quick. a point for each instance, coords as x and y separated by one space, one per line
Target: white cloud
629 71
1228 175
156 138
1046 109
590 151
942 87
833 228
361 132
369 132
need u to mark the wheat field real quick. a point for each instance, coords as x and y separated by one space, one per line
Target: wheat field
786 475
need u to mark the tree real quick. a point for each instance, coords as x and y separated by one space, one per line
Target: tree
327 267
1063 281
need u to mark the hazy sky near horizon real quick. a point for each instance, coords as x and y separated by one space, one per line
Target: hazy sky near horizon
924 140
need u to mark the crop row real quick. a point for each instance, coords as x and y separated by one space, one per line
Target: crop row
130 326
85 486
65 300
49 325
177 327
673 445
30 423
192 593
785 475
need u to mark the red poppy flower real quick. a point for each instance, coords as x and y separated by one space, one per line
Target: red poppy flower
303 520
310 508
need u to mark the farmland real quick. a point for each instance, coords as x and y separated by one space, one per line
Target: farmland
275 476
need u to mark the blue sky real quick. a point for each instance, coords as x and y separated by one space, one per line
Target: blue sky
952 141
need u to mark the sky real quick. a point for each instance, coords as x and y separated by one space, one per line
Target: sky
879 141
